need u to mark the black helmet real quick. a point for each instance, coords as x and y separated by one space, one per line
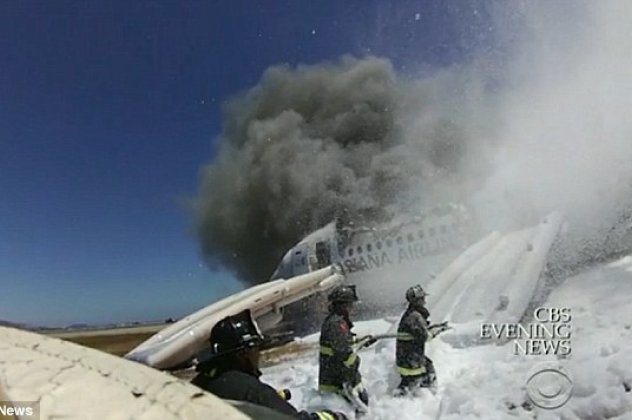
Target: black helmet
343 294
233 333
415 293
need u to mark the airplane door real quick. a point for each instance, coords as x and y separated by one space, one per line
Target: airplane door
299 259
323 254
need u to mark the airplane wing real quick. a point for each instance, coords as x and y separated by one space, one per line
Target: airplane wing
181 341
75 382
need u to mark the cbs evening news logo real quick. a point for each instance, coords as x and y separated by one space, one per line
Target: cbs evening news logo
19 409
549 334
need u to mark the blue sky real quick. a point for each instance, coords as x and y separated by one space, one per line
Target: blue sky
109 109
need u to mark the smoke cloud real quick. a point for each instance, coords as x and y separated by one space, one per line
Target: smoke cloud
543 126
566 135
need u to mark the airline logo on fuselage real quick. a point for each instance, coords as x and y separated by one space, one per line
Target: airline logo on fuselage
368 258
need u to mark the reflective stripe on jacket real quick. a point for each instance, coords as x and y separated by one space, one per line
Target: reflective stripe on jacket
338 363
412 335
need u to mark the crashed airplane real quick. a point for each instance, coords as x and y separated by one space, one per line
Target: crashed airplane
416 247
383 260
436 251
471 288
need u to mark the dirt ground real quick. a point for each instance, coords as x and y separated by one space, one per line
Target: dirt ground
121 342
116 341
116 344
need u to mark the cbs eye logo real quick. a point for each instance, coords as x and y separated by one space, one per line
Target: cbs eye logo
549 386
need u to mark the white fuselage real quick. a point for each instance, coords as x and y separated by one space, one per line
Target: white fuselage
384 260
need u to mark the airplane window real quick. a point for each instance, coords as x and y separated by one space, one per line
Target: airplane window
411 237
379 245
369 248
389 242
359 250
297 253
399 240
420 234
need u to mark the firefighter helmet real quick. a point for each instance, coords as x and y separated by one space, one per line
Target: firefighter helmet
343 294
234 333
415 293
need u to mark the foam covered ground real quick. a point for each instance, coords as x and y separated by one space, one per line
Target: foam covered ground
489 381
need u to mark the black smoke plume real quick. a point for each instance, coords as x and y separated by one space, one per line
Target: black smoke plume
346 139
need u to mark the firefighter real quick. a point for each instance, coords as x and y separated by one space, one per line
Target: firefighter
414 330
232 372
338 362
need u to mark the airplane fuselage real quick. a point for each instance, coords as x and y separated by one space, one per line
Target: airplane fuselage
384 260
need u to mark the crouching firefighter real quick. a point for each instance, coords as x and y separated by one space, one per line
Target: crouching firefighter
414 367
232 372
339 365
